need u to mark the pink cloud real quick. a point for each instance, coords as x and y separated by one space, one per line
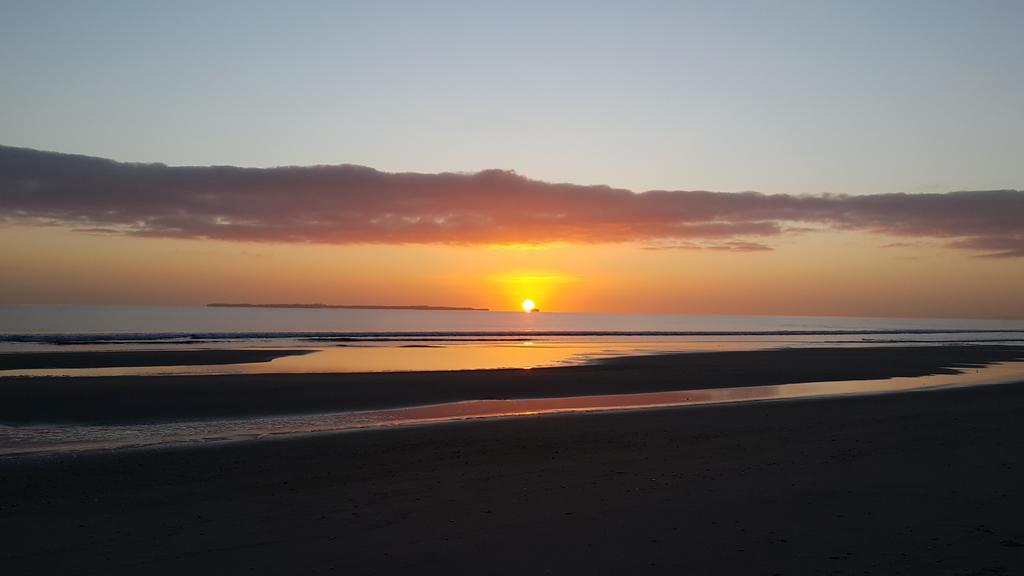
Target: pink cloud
347 204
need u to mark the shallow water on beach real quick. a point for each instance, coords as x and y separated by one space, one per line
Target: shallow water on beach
36 439
414 358
418 340
389 340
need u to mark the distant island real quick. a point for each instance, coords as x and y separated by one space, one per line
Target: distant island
346 306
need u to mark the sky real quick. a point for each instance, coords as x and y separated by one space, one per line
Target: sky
478 153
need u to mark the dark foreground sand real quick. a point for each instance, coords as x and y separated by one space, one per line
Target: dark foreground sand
113 400
909 483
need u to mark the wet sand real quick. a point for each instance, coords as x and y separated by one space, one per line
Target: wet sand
118 358
904 483
131 399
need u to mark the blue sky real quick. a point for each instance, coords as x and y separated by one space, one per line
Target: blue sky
799 97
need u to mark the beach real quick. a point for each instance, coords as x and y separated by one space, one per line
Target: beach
911 483
701 288
898 483
125 400
127 358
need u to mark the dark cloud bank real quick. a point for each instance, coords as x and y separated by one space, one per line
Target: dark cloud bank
353 204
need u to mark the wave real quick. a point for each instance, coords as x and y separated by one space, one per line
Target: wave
469 336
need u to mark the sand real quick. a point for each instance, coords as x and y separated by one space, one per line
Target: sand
119 358
906 483
924 482
130 399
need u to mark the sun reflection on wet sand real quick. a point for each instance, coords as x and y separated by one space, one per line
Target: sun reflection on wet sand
41 439
414 358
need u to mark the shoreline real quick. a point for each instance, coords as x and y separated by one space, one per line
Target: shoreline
153 399
212 443
893 483
81 439
139 358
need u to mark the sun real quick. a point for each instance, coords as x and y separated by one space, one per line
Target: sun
529 305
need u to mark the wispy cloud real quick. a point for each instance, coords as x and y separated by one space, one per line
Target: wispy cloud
994 246
347 204
730 246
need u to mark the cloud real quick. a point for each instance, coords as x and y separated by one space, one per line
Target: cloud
1006 246
730 246
347 204
99 231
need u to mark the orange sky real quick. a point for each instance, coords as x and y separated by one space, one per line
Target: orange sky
822 273
851 159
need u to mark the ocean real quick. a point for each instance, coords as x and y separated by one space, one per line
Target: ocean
345 340
354 340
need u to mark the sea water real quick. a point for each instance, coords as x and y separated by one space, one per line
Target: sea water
375 340
356 340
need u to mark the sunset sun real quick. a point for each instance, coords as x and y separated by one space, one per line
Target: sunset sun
750 242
